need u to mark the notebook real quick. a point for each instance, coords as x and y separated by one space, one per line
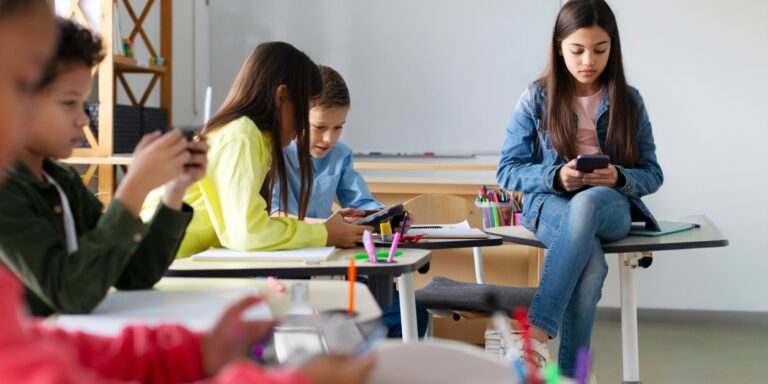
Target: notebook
458 230
667 227
196 309
303 254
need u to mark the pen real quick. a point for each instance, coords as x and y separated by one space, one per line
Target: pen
403 224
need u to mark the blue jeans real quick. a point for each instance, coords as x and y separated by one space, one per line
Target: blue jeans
572 228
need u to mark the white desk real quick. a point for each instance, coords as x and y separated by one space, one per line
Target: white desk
380 275
324 295
630 251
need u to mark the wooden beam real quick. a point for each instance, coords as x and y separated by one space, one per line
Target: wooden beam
149 89
128 90
106 81
137 25
166 51
89 173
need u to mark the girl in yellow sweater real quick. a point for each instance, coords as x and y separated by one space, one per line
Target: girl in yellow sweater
267 107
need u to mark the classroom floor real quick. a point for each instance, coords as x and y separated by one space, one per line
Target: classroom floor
678 353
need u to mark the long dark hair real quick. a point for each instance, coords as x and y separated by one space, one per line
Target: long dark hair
253 95
559 86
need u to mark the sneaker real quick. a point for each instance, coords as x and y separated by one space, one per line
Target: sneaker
540 352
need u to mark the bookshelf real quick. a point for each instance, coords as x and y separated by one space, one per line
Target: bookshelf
113 73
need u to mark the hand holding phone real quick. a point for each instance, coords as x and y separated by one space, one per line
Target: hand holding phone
588 163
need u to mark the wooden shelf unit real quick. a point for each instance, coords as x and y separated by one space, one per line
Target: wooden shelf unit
113 70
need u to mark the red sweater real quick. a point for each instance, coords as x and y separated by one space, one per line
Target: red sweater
30 352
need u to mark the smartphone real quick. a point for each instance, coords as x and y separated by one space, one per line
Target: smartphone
189 131
382 215
588 163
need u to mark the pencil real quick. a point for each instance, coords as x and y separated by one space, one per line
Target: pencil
351 276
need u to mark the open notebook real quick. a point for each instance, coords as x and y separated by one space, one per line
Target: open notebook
304 254
459 230
196 309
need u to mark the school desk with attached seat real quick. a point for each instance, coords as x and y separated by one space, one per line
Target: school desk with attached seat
630 251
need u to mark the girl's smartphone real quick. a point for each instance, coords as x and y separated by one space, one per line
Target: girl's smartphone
189 131
588 163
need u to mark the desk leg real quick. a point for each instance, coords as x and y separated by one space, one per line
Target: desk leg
629 343
479 271
407 307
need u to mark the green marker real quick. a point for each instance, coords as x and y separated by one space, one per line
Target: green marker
551 374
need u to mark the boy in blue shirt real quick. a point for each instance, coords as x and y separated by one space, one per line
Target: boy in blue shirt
334 175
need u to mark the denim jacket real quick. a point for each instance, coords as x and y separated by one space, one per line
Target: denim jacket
529 163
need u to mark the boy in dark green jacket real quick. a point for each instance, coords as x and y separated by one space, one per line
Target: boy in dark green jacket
53 232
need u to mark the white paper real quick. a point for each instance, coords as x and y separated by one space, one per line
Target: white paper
303 254
197 310
461 229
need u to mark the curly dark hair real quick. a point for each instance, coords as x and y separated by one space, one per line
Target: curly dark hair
77 46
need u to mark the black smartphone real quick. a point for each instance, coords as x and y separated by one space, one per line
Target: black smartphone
588 163
189 131
382 215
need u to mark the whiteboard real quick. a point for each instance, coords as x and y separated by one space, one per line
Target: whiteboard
424 75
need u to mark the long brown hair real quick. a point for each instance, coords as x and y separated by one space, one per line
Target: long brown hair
253 95
559 86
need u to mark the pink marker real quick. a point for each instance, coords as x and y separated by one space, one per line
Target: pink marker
393 249
368 243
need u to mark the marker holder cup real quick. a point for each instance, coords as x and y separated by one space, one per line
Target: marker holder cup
496 214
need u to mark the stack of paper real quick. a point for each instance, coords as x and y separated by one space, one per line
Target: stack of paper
198 310
494 343
304 254
458 230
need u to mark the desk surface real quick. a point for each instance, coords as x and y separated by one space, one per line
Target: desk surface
708 236
430 244
323 294
409 262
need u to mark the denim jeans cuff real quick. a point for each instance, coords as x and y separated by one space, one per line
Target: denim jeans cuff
549 327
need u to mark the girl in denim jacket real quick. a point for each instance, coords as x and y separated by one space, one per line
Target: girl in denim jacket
581 105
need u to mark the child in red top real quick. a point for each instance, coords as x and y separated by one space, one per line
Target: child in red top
33 353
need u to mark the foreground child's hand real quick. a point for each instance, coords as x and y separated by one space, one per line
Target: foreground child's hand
194 170
157 159
232 337
602 177
343 234
351 214
339 369
569 178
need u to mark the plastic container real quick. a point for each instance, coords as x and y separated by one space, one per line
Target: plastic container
496 214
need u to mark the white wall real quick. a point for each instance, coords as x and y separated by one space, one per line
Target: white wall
427 75
699 65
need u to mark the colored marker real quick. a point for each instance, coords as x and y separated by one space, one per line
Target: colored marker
351 276
368 243
582 365
393 249
275 285
551 374
521 315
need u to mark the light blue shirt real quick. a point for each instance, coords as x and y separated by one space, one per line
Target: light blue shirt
334 177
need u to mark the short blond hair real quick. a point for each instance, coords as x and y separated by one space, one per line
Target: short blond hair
335 92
